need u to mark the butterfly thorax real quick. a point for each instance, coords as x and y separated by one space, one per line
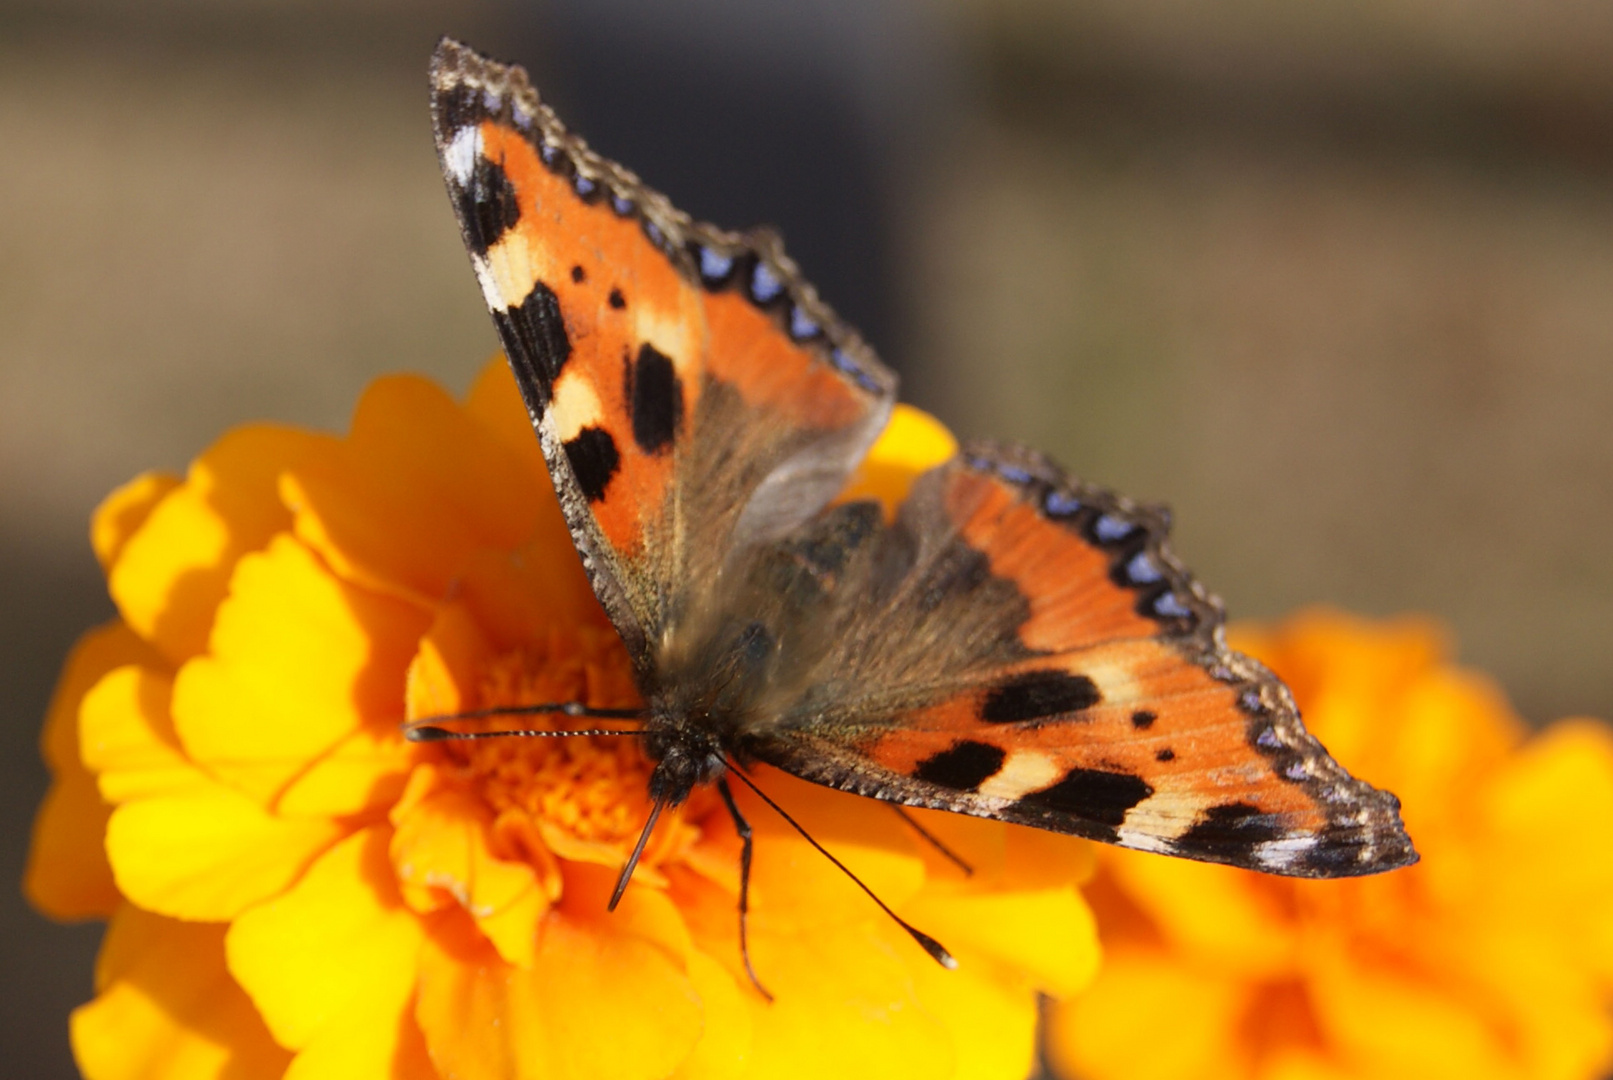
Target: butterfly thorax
711 688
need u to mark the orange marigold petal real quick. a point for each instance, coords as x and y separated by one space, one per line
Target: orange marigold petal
297 661
124 511
442 853
417 486
174 569
596 1005
167 1007
1392 1026
1227 916
912 442
68 876
494 401
1149 1018
339 935
208 852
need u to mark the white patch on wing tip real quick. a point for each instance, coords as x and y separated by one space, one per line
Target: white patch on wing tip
459 157
1144 841
1284 852
484 278
1023 772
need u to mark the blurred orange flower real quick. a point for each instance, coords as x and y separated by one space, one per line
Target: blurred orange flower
295 890
1491 958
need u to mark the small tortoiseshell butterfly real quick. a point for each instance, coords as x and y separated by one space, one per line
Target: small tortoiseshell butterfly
1015 645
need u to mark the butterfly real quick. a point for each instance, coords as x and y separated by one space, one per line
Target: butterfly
1016 644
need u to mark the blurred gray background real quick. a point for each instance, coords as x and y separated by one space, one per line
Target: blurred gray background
1335 280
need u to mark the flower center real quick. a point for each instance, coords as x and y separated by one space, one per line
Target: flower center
593 787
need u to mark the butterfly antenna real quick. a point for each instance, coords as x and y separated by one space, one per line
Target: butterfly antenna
632 860
429 729
937 951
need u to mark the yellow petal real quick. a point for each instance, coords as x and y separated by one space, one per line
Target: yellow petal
596 1005
375 1038
68 876
297 661
417 487
363 773
988 1011
208 852
844 1005
340 934
912 442
174 569
129 740
124 511
167 1008
1047 935
723 1051
1149 1018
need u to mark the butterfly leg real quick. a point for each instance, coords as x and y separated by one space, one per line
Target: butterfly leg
742 827
935 841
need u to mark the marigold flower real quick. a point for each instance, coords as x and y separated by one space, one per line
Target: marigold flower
1491 958
295 890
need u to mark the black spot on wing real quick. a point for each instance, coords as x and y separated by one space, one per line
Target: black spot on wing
1142 719
487 205
535 338
1036 695
1166 754
656 394
578 274
1230 831
594 460
616 299
963 766
1091 794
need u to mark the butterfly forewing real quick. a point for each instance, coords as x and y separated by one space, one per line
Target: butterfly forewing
691 393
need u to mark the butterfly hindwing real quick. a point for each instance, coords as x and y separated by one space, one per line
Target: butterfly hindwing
1023 647
691 392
